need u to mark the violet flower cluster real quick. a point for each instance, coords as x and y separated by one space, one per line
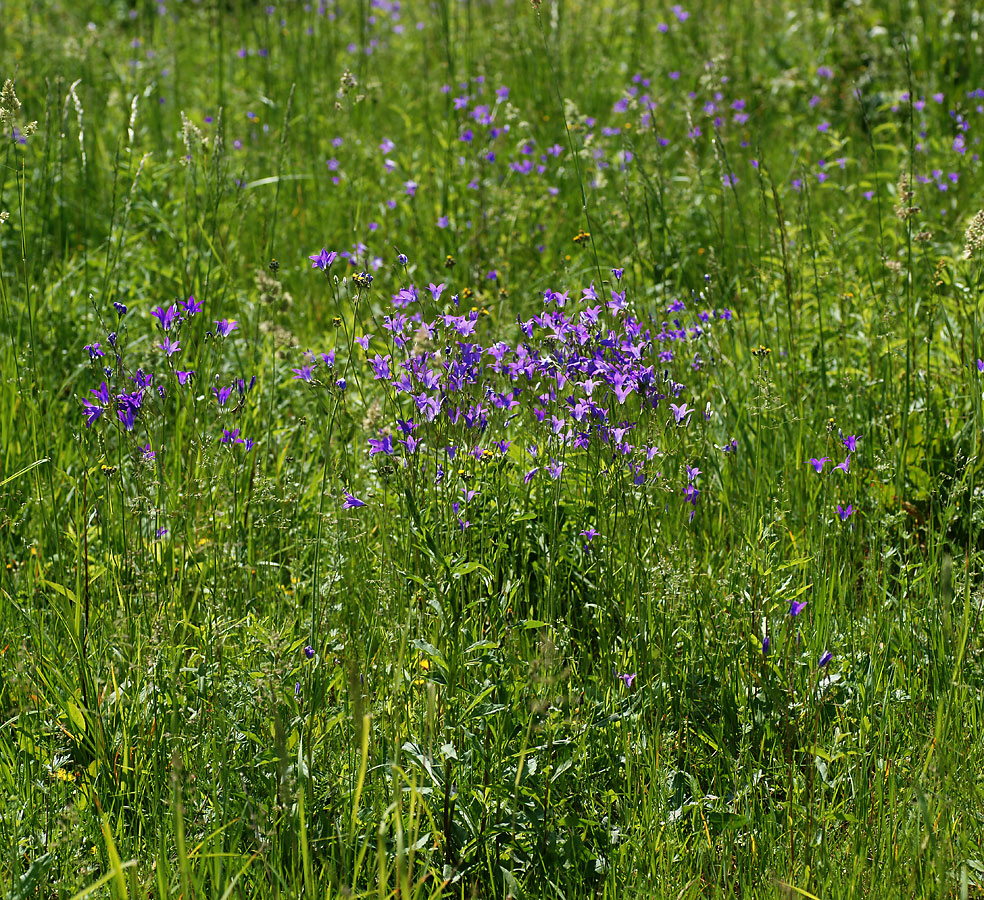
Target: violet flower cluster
586 385
127 397
850 446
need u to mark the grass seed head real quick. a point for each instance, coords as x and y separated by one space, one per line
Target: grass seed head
974 236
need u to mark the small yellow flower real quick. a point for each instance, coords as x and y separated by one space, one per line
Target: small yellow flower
423 664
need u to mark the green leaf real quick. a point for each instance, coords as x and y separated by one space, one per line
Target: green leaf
466 568
23 471
75 714
27 883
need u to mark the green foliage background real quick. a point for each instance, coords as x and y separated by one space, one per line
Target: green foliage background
461 729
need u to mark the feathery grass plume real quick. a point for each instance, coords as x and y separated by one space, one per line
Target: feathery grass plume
904 189
79 114
191 136
132 123
10 108
9 105
271 291
974 236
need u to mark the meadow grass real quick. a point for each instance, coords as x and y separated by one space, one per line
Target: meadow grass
483 449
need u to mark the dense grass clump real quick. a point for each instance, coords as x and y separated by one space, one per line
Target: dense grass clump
491 449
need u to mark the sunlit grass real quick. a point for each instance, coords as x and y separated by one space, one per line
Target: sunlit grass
619 536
